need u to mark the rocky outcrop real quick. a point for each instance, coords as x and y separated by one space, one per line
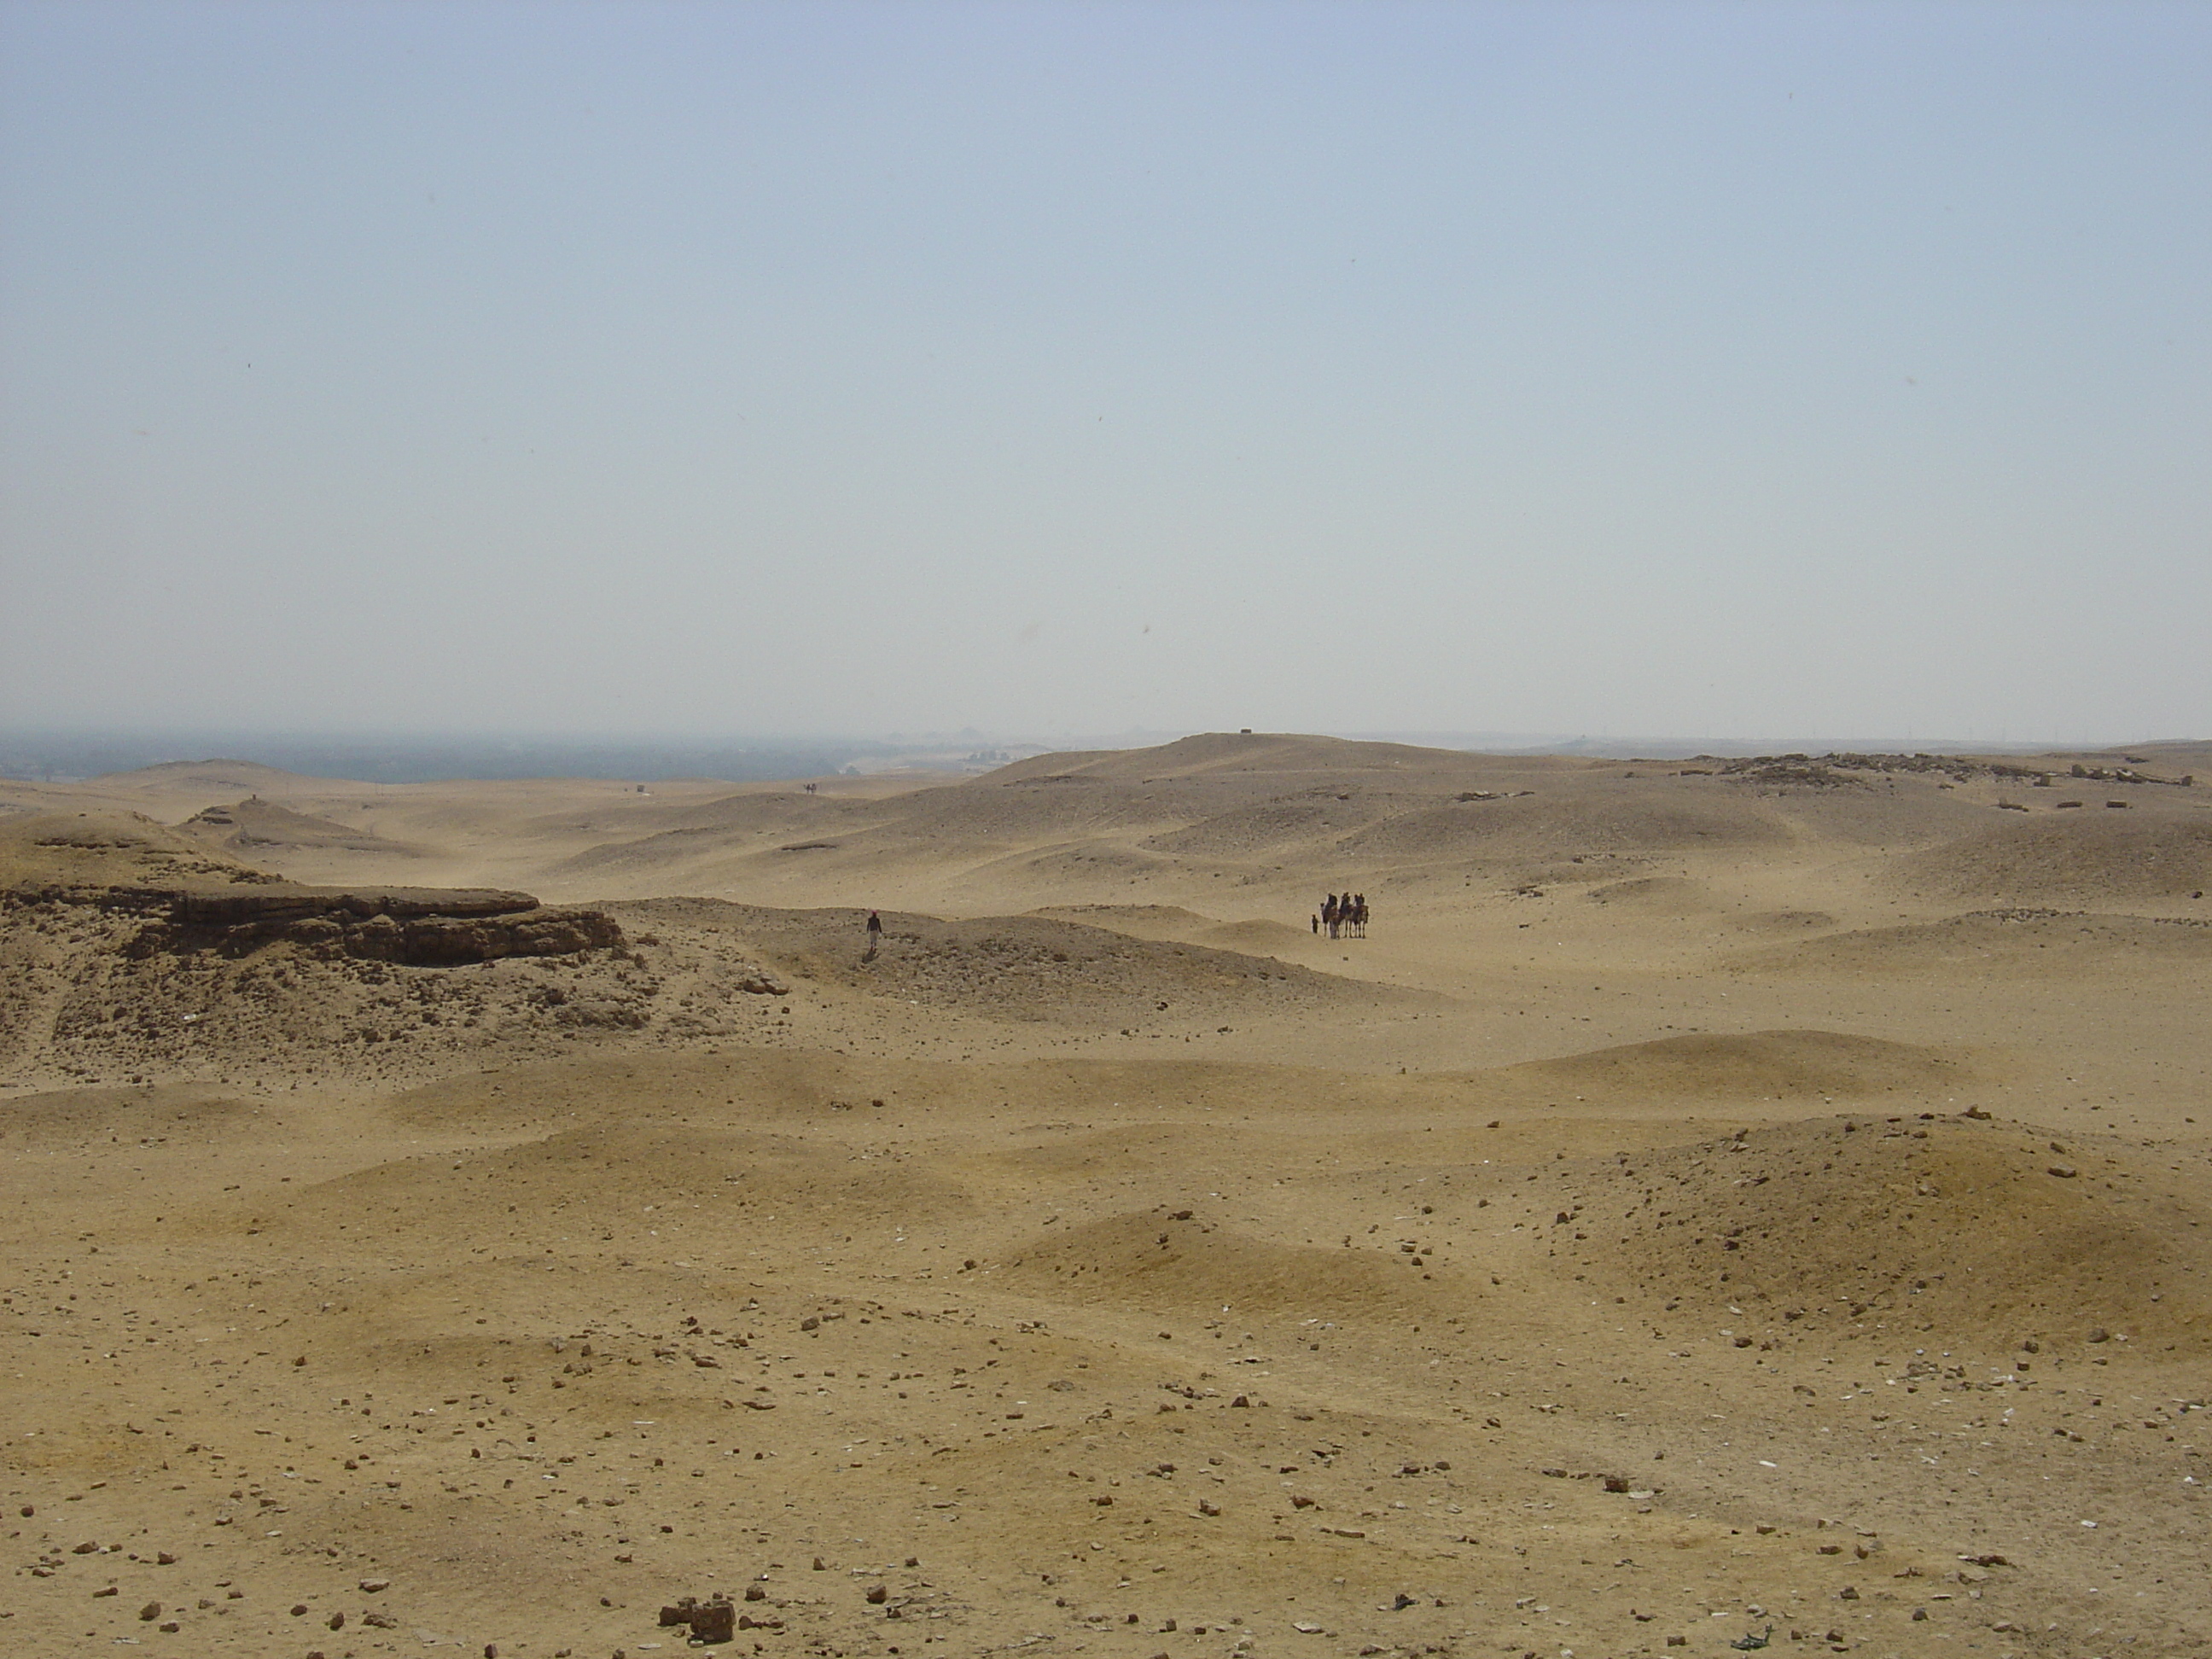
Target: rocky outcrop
290 902
451 941
415 927
105 869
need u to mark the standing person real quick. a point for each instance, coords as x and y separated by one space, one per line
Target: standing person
1328 914
1316 924
875 930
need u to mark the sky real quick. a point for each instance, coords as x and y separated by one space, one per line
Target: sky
790 369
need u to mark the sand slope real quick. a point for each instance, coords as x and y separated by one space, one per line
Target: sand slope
2089 856
1716 1196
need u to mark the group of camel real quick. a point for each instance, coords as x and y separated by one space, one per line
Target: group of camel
1345 917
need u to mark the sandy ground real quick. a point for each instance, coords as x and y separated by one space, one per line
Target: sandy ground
1712 1206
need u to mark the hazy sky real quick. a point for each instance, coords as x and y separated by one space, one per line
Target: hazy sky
1724 370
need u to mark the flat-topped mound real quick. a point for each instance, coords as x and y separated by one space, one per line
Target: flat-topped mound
127 861
129 950
219 774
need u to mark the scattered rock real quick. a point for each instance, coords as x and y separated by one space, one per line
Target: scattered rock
713 1620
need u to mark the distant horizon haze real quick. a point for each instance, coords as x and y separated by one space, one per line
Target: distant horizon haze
396 758
834 367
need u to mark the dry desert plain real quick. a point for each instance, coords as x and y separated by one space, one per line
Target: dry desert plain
1719 1203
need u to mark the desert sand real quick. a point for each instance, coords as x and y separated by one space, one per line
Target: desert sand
1719 1204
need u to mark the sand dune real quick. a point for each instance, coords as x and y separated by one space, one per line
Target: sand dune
1715 1196
2094 856
254 824
1759 1065
1893 1229
1175 1262
2055 943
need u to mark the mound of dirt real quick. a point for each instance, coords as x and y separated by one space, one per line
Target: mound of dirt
1756 1066
1894 1227
2092 857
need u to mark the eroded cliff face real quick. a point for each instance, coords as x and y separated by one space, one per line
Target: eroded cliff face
185 899
412 928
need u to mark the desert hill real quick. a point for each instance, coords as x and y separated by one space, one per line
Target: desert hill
1027 968
1268 820
1273 813
253 824
1720 1201
229 775
58 852
128 951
